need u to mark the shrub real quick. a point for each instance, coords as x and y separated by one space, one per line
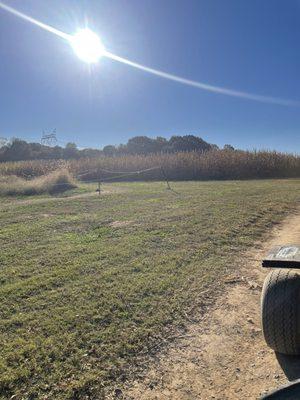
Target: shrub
55 182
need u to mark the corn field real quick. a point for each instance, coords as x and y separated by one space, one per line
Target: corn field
212 165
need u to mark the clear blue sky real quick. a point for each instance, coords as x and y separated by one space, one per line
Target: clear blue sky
247 45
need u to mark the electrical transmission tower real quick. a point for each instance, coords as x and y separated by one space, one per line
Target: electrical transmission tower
49 139
3 141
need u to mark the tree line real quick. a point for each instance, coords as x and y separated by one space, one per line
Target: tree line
19 150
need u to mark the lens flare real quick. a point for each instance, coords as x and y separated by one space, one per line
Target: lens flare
87 46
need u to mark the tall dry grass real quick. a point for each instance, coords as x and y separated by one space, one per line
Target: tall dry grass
217 164
55 182
32 168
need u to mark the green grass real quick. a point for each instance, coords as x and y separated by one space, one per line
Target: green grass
89 283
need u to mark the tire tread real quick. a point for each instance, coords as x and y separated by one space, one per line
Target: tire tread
279 307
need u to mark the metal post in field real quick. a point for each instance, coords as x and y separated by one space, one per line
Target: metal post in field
166 178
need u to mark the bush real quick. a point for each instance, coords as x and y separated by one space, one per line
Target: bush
55 182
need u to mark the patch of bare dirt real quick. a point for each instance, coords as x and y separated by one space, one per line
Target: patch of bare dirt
120 224
224 355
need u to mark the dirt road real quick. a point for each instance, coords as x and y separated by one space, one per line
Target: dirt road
224 355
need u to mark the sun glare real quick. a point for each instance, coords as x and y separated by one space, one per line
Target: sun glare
87 46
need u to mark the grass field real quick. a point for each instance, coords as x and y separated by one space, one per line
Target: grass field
89 284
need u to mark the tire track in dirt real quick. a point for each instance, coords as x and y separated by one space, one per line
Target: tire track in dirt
224 355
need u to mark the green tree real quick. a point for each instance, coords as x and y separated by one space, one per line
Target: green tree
109 150
70 151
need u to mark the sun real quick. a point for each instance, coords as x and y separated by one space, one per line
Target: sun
87 46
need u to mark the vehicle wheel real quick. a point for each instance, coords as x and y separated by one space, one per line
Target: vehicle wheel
280 311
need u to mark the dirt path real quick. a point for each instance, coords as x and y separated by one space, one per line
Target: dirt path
224 355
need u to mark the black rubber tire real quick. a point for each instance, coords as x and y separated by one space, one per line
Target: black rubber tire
280 311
